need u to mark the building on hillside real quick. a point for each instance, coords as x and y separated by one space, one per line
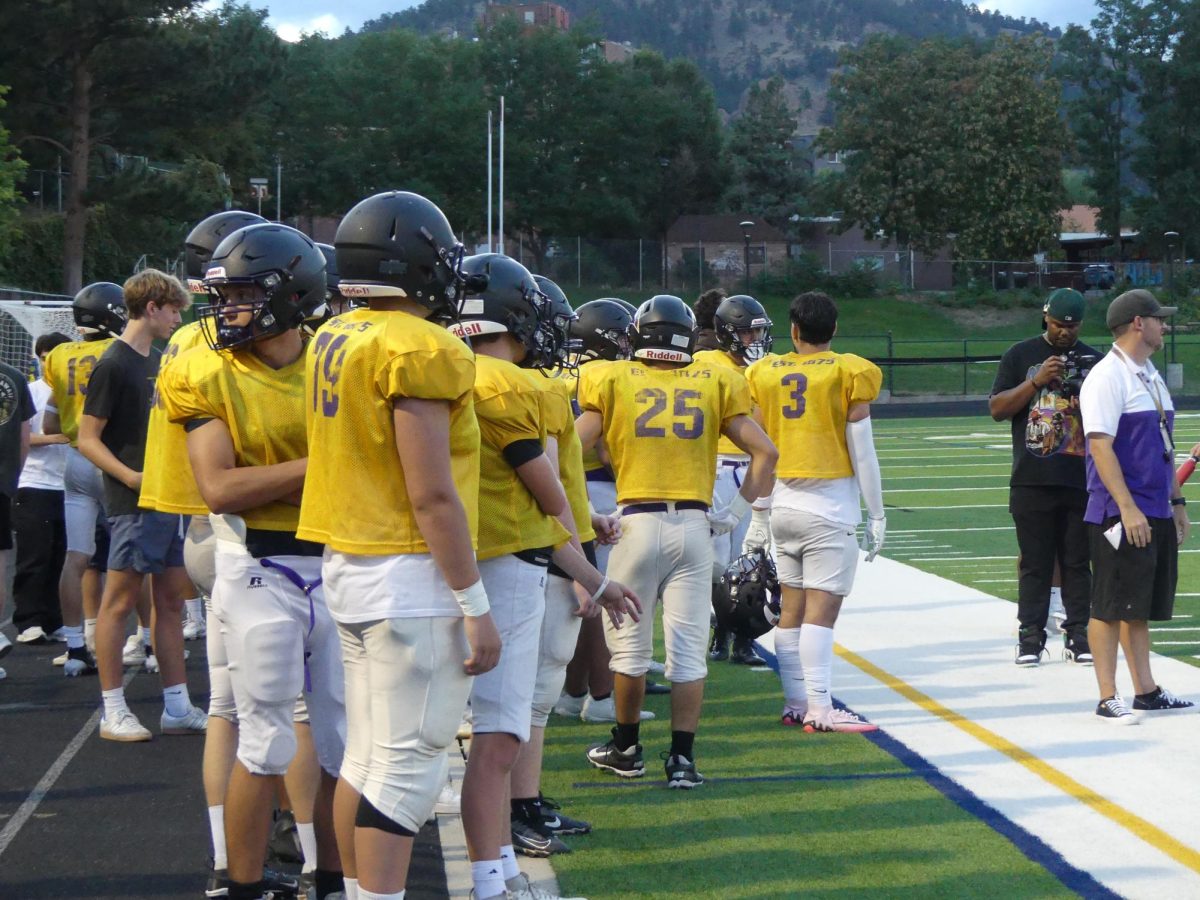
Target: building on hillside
719 242
842 251
530 15
1083 242
817 160
617 51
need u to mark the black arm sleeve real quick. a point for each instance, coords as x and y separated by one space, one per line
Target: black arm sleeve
520 452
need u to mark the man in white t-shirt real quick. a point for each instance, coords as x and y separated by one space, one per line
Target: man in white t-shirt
38 519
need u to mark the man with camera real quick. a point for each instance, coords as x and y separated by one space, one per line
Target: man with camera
1037 389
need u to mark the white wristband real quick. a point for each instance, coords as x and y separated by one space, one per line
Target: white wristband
473 601
600 590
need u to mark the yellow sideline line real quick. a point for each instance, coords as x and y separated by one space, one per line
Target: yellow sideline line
1151 834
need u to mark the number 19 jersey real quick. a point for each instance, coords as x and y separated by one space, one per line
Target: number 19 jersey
662 425
358 364
805 401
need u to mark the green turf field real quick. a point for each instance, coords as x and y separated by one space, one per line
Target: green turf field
830 815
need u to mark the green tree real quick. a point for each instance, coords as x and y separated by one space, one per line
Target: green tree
768 178
12 168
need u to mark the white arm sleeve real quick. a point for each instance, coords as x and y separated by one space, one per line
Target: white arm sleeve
860 441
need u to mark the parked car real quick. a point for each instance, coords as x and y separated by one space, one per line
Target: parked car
1099 277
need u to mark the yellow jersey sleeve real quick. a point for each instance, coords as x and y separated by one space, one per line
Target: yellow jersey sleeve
358 364
721 359
805 401
262 407
68 370
509 405
560 423
168 483
594 374
654 415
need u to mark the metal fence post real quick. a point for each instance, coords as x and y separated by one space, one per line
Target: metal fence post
891 376
965 364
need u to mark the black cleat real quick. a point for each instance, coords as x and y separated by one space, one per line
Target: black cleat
1076 649
1030 646
284 844
530 839
718 649
744 655
681 772
626 763
556 823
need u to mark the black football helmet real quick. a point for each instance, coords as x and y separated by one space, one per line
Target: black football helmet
601 331
99 309
747 601
664 330
561 317
399 244
503 297
286 267
736 321
629 307
203 239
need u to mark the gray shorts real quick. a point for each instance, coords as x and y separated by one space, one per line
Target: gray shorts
812 552
147 542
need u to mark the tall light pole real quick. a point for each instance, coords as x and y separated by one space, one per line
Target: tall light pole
746 226
1172 238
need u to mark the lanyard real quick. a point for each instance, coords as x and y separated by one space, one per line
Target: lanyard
1164 429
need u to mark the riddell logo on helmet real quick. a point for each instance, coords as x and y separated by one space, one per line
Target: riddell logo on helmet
354 290
466 329
663 355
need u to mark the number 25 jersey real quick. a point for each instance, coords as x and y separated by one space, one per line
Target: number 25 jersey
804 402
662 425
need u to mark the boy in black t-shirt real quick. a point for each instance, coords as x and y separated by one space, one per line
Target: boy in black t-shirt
112 434
16 409
1037 388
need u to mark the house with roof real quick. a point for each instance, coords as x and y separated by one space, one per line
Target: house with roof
719 240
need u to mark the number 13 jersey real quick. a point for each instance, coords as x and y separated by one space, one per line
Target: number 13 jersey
662 425
804 402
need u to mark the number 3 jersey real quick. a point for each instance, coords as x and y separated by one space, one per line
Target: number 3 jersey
804 402
662 425
359 365
68 369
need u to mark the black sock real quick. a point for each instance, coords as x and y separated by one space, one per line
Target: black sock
328 882
242 891
598 697
626 736
577 696
682 743
526 807
1151 695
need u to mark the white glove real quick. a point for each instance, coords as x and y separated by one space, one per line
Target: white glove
873 536
758 535
723 521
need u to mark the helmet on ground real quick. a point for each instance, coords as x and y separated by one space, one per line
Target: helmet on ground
747 602
743 327
264 280
502 297
99 308
601 331
203 239
399 244
664 330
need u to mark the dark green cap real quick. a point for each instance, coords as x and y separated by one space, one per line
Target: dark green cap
1066 305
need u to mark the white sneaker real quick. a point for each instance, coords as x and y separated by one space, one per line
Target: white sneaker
60 660
124 727
1115 712
605 711
569 706
194 721
151 663
656 668
449 801
134 651
32 635
5 645
521 888
194 629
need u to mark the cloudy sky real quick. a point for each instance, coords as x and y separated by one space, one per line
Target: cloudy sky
292 17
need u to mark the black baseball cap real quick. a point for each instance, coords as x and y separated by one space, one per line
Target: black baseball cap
1131 304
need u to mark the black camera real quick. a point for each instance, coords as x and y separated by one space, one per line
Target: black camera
1076 367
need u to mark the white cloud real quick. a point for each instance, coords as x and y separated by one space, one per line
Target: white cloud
292 31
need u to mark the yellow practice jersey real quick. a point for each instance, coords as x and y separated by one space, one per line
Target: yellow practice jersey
725 447
168 484
509 405
558 404
68 369
662 425
262 407
804 401
358 365
591 458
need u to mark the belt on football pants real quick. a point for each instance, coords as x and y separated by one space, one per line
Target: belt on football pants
736 465
601 474
676 505
308 587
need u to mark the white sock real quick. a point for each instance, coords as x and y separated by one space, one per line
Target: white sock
74 635
308 845
488 878
816 653
176 700
114 702
364 894
216 827
508 862
195 609
791 673
89 630
147 637
351 885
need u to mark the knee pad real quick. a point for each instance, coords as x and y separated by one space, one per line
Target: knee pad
369 817
272 665
265 748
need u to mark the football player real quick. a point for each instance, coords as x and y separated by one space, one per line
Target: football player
244 412
391 490
816 404
743 333
112 435
100 315
508 321
661 406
